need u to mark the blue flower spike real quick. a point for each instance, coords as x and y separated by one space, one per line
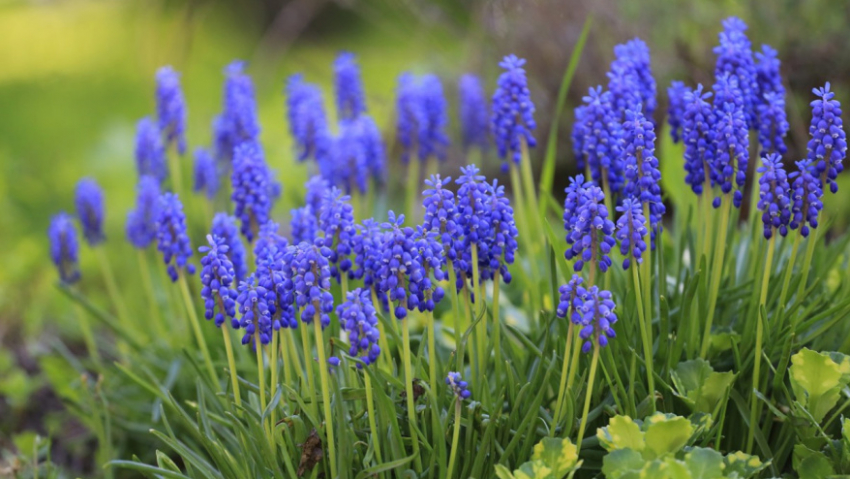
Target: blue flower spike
357 316
89 202
171 237
512 121
64 247
827 146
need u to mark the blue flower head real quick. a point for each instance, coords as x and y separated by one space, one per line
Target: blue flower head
373 148
731 141
350 170
441 211
631 229
429 254
218 280
633 60
367 244
512 120
311 281
316 188
357 316
575 193
735 58
698 137
238 121
773 123
577 137
304 225
828 144
570 293
171 237
597 318
273 258
206 173
336 222
774 196
400 275
458 386
171 108
590 232
224 227
471 216
89 202
624 89
406 106
767 73
254 310
270 240
431 119
307 120
350 99
676 109
500 244
141 221
641 167
251 187
64 247
473 112
806 196
150 153
602 141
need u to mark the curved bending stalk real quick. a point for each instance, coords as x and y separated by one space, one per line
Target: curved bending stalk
587 398
326 393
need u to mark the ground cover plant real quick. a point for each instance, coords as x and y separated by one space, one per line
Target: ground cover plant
694 330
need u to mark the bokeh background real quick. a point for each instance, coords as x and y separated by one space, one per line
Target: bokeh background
76 76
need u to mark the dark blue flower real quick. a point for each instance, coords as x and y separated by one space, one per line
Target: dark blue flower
373 148
624 88
171 237
774 195
336 222
735 58
500 243
731 141
311 281
64 247
698 137
224 227
773 125
206 173
473 112
367 244
471 216
307 120
806 196
270 240
431 119
459 387
350 99
590 232
254 310
217 280
512 120
441 212
429 254
631 229
569 294
406 116
597 318
828 144
633 59
577 136
602 141
575 198
767 73
251 187
400 275
315 189
89 202
150 153
274 273
676 109
641 167
350 170
141 221
238 121
171 108
357 316
304 225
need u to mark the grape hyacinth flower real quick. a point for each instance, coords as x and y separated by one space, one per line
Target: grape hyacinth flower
254 309
429 254
625 91
577 137
307 120
631 229
774 196
367 244
372 144
459 387
806 196
575 194
304 225
141 221
406 115
641 167
767 73
698 137
735 58
336 222
501 240
431 119
773 125
316 188
251 187
471 217
676 109
602 141
273 274
350 99
473 112
633 57
731 141
64 247
357 316
400 275
512 120
590 235
268 239
172 239
150 153
441 212
206 173
311 281
224 227
238 121
89 202
349 169
171 108
596 309
828 144
569 294
217 278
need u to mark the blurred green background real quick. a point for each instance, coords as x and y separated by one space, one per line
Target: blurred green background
76 75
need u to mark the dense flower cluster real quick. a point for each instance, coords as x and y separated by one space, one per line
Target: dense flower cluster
350 98
372 144
632 59
500 242
150 153
513 111
827 146
641 166
238 121
357 316
64 247
698 137
568 294
251 187
459 387
89 202
217 278
367 247
349 169
770 104
577 137
141 221
589 230
806 195
274 275
471 216
421 117
205 173
171 108
731 140
735 59
400 274
406 105
631 229
473 112
774 196
440 210
311 282
254 310
224 227
676 109
601 133
596 309
429 254
315 189
270 241
307 121
336 222
304 225
171 237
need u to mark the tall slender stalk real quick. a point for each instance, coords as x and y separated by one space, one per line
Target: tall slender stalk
528 185
497 330
196 326
562 387
807 261
408 388
645 336
261 378
757 352
716 271
432 352
273 369
308 366
231 364
457 316
455 437
412 190
480 331
525 232
112 289
88 335
149 291
326 389
383 359
373 425
786 281
588 396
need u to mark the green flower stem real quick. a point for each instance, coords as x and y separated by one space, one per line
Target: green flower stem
373 425
88 335
273 369
497 331
408 387
588 396
148 284
284 356
384 358
716 271
526 233
112 289
574 360
807 260
757 352
562 387
646 270
432 353
231 364
528 186
786 281
455 438
261 379
196 326
458 315
480 331
174 170
308 365
645 329
474 367
412 187
326 388
786 350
